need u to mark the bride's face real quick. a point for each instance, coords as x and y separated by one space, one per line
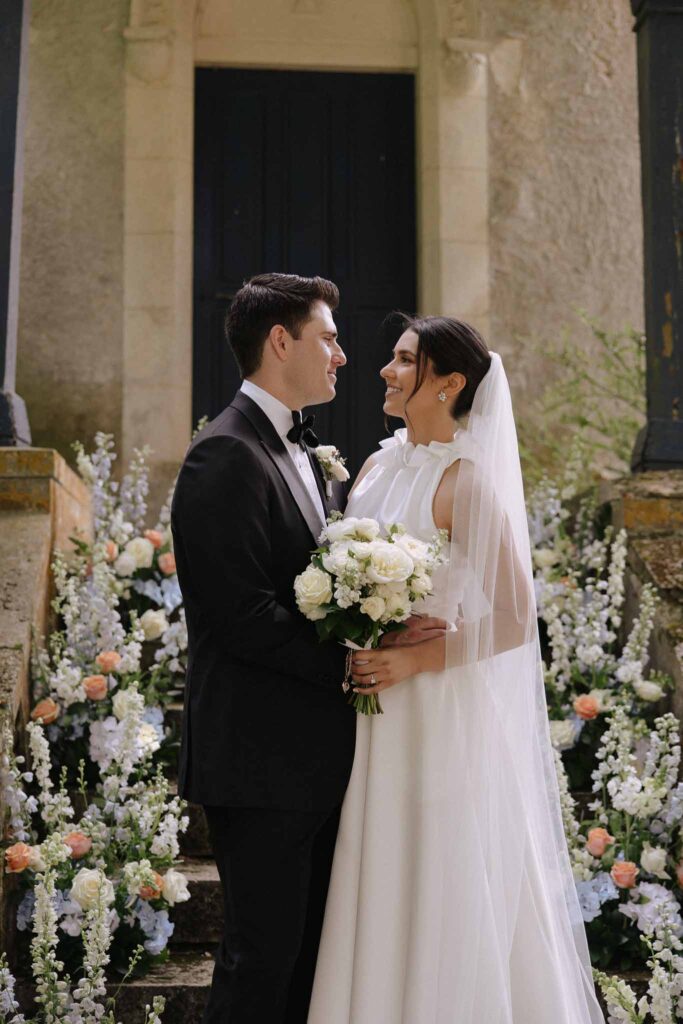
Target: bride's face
400 375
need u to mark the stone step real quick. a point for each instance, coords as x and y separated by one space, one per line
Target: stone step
199 921
184 981
195 842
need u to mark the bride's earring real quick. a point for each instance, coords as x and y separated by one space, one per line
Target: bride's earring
442 395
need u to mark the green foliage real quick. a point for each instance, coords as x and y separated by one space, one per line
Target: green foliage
596 393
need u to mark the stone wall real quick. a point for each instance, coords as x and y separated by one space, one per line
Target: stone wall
70 303
564 158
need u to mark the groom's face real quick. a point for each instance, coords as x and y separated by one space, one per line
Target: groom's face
316 357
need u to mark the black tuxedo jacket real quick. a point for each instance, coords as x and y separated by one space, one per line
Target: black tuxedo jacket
265 721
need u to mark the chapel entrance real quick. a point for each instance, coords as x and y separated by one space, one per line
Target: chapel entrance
308 173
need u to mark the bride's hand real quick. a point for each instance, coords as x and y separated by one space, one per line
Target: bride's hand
377 670
418 628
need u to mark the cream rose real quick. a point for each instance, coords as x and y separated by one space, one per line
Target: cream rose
367 529
154 623
148 738
336 559
174 887
35 859
545 558
125 564
421 584
86 886
374 607
389 563
340 529
562 733
648 691
417 549
142 551
653 860
122 703
312 587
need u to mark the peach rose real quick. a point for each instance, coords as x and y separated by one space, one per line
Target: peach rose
18 857
95 687
80 844
624 873
108 661
45 709
111 550
167 563
586 706
598 841
152 892
155 537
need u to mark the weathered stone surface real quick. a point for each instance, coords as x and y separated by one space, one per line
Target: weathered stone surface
647 504
661 561
184 982
200 920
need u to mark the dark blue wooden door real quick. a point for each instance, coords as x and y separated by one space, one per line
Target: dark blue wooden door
306 173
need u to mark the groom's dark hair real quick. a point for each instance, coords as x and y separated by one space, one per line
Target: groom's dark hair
269 299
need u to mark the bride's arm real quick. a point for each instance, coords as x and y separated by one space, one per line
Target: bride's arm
364 470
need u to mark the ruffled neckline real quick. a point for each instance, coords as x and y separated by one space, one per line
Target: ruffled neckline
415 455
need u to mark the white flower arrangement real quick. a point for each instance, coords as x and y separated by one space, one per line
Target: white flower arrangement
364 581
332 464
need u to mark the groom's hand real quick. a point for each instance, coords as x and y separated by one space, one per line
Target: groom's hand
418 629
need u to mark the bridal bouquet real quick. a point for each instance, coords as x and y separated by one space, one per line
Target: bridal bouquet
363 581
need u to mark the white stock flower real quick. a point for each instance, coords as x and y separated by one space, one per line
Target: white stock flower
389 563
545 558
175 888
142 551
563 733
374 607
397 603
36 861
125 564
148 738
421 584
336 560
86 885
653 860
312 587
648 691
154 623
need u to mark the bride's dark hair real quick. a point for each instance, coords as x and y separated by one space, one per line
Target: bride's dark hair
453 347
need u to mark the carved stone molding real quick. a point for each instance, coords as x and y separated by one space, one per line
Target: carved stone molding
148 37
465 63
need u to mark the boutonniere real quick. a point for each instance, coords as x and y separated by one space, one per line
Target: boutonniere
332 464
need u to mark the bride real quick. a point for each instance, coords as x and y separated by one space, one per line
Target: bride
452 899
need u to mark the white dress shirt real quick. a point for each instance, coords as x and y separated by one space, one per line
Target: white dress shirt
281 418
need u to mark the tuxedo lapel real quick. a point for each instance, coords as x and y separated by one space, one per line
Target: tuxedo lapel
319 478
279 455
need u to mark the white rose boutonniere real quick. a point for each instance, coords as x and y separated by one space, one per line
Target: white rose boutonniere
332 464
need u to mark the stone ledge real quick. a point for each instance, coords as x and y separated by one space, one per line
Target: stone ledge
647 503
40 480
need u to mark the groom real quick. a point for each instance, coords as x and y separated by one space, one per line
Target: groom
268 736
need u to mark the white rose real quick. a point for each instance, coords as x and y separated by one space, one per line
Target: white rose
312 611
340 529
361 548
397 605
374 607
367 529
648 691
125 564
563 733
312 587
121 703
174 889
545 558
421 584
86 885
148 738
653 860
154 623
604 698
142 551
324 452
417 549
339 470
336 560
389 563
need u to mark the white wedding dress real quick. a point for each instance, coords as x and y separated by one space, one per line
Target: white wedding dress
421 926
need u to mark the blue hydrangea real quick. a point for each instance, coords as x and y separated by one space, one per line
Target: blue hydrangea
594 892
155 924
25 911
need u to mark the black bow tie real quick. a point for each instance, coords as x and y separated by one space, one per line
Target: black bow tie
302 431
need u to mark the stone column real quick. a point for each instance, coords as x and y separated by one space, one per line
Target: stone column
14 426
659 25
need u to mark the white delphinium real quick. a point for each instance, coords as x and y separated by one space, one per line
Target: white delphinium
96 471
546 514
173 644
582 860
634 656
135 488
52 993
153 1013
8 1002
654 909
560 617
55 808
91 988
615 578
88 606
622 1004
20 806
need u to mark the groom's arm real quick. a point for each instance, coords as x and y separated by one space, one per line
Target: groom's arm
221 521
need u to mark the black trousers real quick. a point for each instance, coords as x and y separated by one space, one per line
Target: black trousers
274 867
